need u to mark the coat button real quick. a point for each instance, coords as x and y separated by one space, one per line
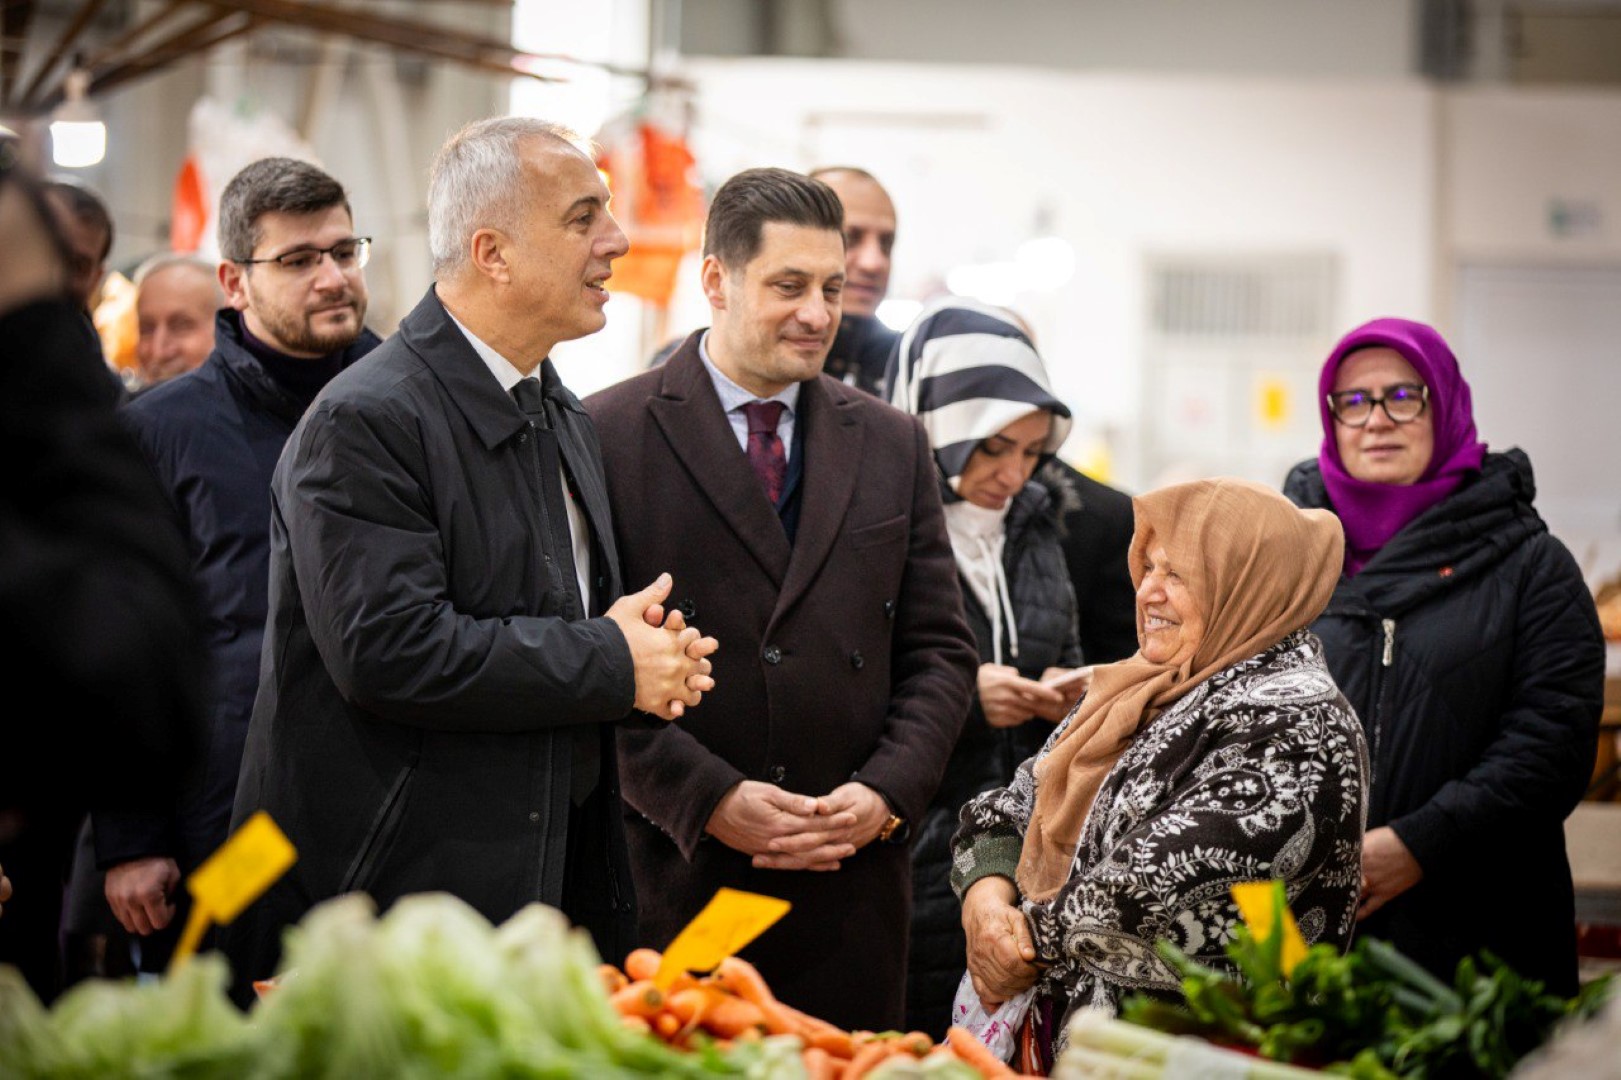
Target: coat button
523 436
772 654
688 609
534 815
857 661
889 609
778 774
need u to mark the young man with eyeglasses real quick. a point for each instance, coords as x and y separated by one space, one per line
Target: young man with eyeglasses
295 292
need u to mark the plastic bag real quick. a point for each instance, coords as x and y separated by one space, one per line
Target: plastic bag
998 1029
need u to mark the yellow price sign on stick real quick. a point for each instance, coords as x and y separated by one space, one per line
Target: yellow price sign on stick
730 920
1259 902
233 877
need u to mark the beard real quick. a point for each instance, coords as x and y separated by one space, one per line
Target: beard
293 330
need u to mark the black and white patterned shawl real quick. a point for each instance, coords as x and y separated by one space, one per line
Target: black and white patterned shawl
1259 772
967 371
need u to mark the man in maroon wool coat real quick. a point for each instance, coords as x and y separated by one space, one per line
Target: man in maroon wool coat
801 520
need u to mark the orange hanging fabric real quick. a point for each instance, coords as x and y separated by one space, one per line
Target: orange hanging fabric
658 206
189 213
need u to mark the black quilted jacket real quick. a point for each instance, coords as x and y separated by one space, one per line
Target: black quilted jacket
1471 650
986 757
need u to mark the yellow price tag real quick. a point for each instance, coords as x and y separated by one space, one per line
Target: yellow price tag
729 921
1258 902
233 877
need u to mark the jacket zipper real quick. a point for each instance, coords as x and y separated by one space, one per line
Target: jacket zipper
1387 656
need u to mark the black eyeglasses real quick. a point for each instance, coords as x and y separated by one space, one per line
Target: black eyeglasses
351 254
1403 403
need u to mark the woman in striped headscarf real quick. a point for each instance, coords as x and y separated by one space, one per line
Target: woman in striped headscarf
971 375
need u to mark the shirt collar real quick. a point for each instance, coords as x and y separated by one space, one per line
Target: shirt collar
507 375
733 396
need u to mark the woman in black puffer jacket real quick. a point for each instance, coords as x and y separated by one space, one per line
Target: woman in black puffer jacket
974 380
1464 635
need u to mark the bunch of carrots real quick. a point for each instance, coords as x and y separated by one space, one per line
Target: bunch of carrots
733 1002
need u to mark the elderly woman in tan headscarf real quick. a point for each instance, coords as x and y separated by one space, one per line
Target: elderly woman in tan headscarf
1222 752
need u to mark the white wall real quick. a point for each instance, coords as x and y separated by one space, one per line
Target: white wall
1294 38
1516 161
1532 244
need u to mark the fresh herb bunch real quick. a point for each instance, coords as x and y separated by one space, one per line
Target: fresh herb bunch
1370 1013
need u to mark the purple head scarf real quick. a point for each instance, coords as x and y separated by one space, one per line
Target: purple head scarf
1372 513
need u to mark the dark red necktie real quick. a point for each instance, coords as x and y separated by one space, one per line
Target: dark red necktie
765 446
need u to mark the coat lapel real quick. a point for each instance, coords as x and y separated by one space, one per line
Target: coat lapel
583 455
832 447
688 412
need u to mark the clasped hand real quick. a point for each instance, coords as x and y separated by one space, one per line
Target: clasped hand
1001 952
786 831
671 659
1008 699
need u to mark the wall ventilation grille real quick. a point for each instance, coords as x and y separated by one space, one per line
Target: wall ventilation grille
1269 298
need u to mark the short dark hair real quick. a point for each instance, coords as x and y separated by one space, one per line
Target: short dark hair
746 202
272 185
85 205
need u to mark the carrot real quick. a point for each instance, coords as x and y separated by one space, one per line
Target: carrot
689 1005
667 1024
612 978
971 1050
729 1017
737 976
818 1032
643 963
818 1064
640 998
636 1023
870 1056
837 1043
917 1043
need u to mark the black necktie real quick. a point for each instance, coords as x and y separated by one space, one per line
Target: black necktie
542 413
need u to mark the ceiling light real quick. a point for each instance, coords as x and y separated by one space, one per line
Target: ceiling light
78 137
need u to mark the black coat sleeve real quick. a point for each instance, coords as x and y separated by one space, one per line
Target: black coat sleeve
352 503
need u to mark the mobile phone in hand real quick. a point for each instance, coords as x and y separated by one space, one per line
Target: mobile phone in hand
1069 679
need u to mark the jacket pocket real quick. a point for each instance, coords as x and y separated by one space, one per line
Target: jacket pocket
380 836
883 532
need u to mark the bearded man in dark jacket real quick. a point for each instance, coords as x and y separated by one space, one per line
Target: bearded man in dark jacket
296 301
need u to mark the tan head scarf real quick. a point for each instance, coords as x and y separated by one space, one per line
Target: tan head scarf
1259 569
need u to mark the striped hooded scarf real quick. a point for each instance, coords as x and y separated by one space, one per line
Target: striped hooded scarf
967 371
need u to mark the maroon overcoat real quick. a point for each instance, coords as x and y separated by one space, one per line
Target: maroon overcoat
842 656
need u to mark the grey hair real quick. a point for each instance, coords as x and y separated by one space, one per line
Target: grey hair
166 260
477 182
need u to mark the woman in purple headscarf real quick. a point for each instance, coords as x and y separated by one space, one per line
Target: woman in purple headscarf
1464 636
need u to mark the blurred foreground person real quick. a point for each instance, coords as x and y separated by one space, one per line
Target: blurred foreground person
1221 753
98 618
292 271
86 227
1464 635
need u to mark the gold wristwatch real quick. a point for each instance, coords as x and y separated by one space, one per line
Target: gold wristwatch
895 830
